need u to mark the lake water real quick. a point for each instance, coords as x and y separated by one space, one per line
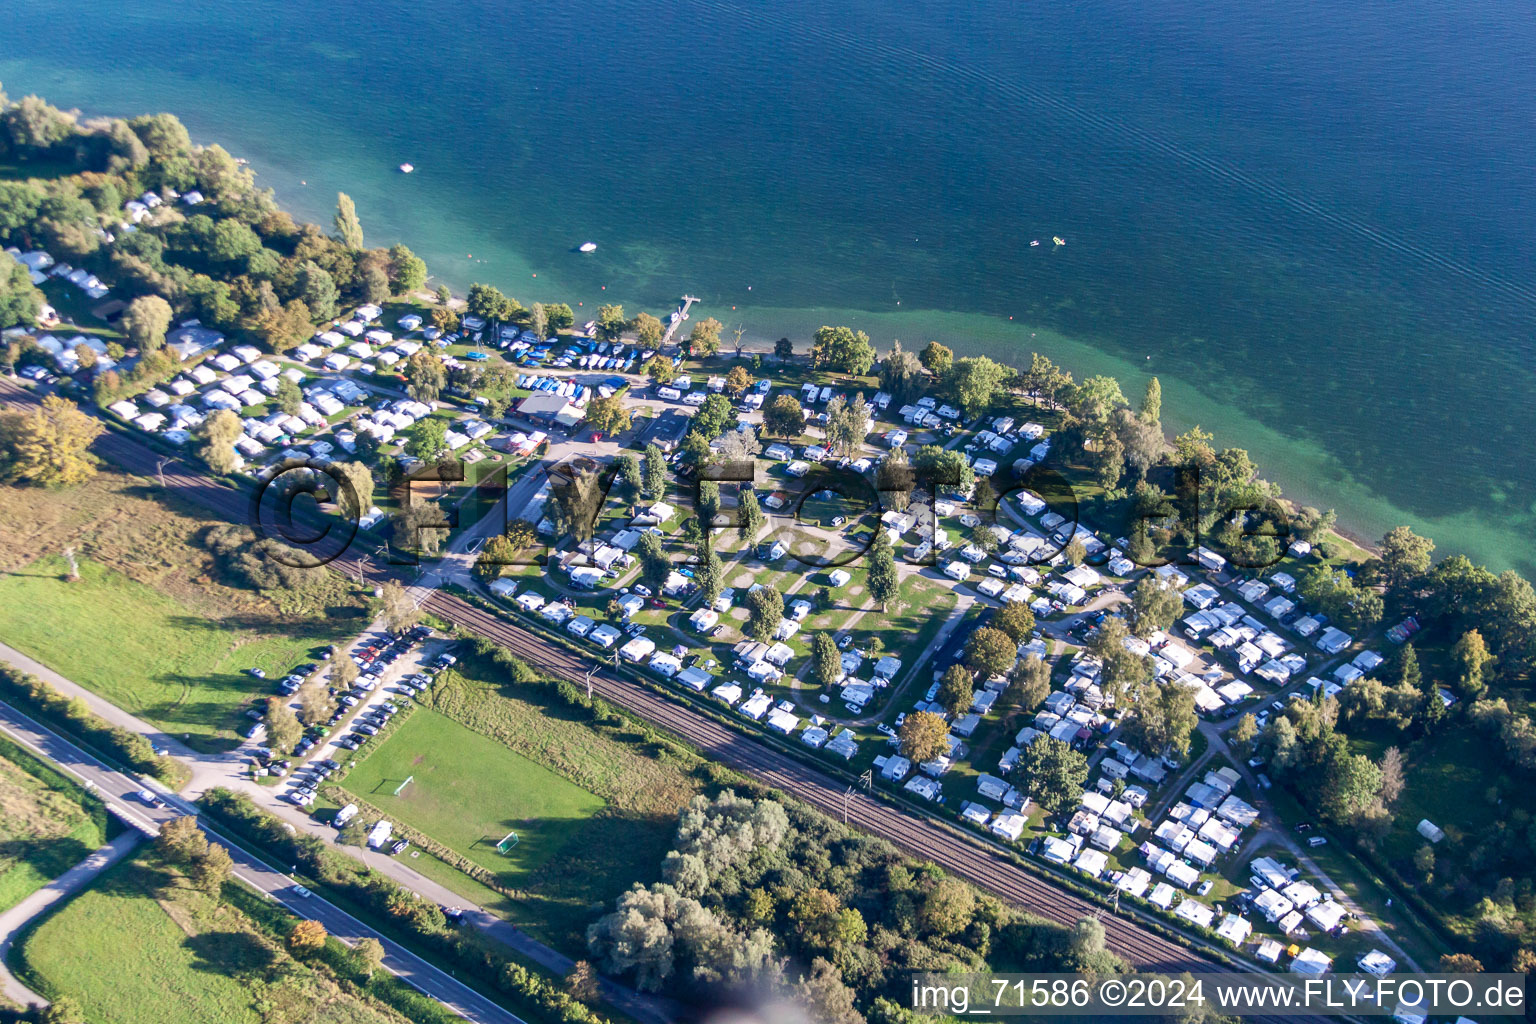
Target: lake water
1310 218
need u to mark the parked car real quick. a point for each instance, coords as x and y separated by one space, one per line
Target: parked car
1317 841
399 848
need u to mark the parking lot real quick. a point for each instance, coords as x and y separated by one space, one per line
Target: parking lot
392 670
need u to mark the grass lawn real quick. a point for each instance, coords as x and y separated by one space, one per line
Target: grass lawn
149 653
633 787
47 824
468 791
141 948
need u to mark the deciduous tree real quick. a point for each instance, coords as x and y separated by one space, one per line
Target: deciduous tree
49 445
1053 773
306 938
956 690
349 230
991 652
765 609
146 320
924 736
784 417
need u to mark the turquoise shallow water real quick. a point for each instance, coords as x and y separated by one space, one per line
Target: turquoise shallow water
1313 217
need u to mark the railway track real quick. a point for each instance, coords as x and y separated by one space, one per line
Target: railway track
1143 947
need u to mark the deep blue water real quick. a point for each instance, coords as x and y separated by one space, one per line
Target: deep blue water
1311 219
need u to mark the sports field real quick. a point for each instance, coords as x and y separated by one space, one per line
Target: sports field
468 791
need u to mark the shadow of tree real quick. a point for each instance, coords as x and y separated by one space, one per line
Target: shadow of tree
232 954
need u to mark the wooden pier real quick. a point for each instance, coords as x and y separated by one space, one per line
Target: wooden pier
677 320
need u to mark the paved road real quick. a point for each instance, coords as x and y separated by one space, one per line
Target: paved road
67 884
118 791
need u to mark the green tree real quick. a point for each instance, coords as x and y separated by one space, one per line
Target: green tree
991 652
146 320
972 384
426 439
538 320
1349 784
180 840
1244 735
923 737
581 983
956 690
655 472
1015 619
367 956
561 317
283 728
826 663
608 415
408 270
784 417
212 870
704 339
1053 774
317 288
655 566
661 370
610 321
20 301
847 424
710 576
937 358
748 513
627 471
1471 658
882 579
783 349
425 376
842 350
648 331
1154 606
1404 558
1124 671
349 230
289 398
398 608
765 609
1152 402
32 124
1028 685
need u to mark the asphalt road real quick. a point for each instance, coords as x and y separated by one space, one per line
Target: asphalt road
119 791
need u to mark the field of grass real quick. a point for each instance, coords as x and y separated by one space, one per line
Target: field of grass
149 653
47 824
468 791
636 785
139 947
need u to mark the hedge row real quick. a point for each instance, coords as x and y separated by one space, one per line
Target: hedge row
130 749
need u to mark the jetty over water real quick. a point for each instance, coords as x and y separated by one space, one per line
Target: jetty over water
677 318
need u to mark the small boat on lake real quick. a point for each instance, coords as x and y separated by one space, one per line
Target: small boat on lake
407 168
1058 240
588 247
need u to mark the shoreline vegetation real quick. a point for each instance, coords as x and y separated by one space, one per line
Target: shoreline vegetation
238 264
